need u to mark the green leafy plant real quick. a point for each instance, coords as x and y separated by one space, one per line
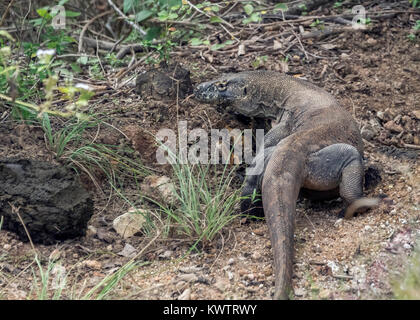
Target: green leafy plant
415 3
317 23
252 16
259 61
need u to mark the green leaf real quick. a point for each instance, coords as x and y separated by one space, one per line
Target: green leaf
218 46
153 33
195 41
255 17
281 6
75 67
128 4
248 9
83 60
172 16
72 14
215 19
4 33
163 15
43 12
143 15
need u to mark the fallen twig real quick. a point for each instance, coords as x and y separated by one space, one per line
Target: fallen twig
126 19
82 33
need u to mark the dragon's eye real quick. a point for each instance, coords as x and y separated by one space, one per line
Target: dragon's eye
221 86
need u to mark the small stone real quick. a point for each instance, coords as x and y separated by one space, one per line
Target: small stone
300 292
268 271
130 223
231 261
407 246
230 275
186 295
250 276
128 251
241 50
344 56
380 115
159 188
338 223
91 231
324 294
371 41
7 246
242 272
367 133
393 127
180 284
166 255
256 256
92 264
189 277
259 231
221 285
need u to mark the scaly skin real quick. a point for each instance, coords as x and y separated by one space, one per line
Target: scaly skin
314 147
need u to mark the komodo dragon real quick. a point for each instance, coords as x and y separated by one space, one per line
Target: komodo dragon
314 146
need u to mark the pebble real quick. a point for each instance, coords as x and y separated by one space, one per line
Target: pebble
186 295
7 246
128 251
188 277
230 275
268 271
130 223
407 246
92 264
367 133
91 231
324 294
256 256
159 188
259 231
300 292
250 276
166 255
393 127
231 261
221 285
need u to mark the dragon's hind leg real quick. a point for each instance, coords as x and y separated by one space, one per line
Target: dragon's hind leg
338 165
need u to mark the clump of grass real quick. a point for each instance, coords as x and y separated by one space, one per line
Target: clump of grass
70 144
408 286
47 282
205 200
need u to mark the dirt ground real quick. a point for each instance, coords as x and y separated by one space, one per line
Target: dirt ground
374 73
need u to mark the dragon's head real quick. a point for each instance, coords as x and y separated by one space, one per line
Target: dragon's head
226 90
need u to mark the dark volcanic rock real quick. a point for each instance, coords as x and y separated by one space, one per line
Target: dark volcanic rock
165 82
49 199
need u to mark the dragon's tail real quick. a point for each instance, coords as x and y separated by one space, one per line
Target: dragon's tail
280 189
